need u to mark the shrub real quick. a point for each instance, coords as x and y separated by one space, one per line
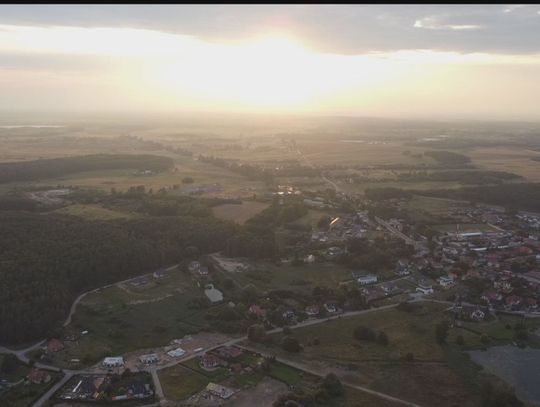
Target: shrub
460 341
291 344
364 333
382 338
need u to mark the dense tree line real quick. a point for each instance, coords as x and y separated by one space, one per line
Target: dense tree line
47 260
464 177
448 157
522 196
55 167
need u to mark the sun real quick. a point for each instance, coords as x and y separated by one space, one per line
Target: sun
272 70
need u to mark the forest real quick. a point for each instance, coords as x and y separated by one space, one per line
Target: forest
461 176
514 197
49 259
55 167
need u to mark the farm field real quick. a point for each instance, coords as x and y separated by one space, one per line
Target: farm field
434 206
464 228
233 184
267 276
511 159
93 212
239 213
179 382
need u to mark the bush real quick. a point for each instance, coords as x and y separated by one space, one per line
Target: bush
364 333
441 332
409 357
484 338
382 339
256 333
460 341
290 344
332 385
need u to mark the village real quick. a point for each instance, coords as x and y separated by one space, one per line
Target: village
480 263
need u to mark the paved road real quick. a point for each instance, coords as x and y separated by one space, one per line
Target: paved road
45 397
309 163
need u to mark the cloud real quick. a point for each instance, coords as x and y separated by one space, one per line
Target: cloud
432 24
513 7
342 29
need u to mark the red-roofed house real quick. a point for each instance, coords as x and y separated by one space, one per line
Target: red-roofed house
257 311
209 361
54 345
38 376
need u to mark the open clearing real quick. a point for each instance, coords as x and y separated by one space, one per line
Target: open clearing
239 213
267 275
438 375
93 212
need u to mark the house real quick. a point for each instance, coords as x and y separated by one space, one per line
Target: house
138 389
161 273
512 301
176 353
54 345
309 259
491 296
389 287
365 279
424 288
38 376
149 359
446 281
110 362
194 266
203 270
289 315
210 361
219 391
331 307
258 311
312 310
531 303
478 315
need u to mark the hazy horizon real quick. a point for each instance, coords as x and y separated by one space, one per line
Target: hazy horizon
435 62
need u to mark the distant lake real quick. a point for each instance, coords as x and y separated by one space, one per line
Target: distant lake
33 126
519 367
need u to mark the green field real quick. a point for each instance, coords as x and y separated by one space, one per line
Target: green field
125 319
179 382
267 276
438 375
239 213
464 228
93 212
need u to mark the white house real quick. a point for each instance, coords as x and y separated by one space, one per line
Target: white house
424 288
176 353
149 359
367 279
117 361
446 281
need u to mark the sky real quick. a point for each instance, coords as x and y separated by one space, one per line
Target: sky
404 61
